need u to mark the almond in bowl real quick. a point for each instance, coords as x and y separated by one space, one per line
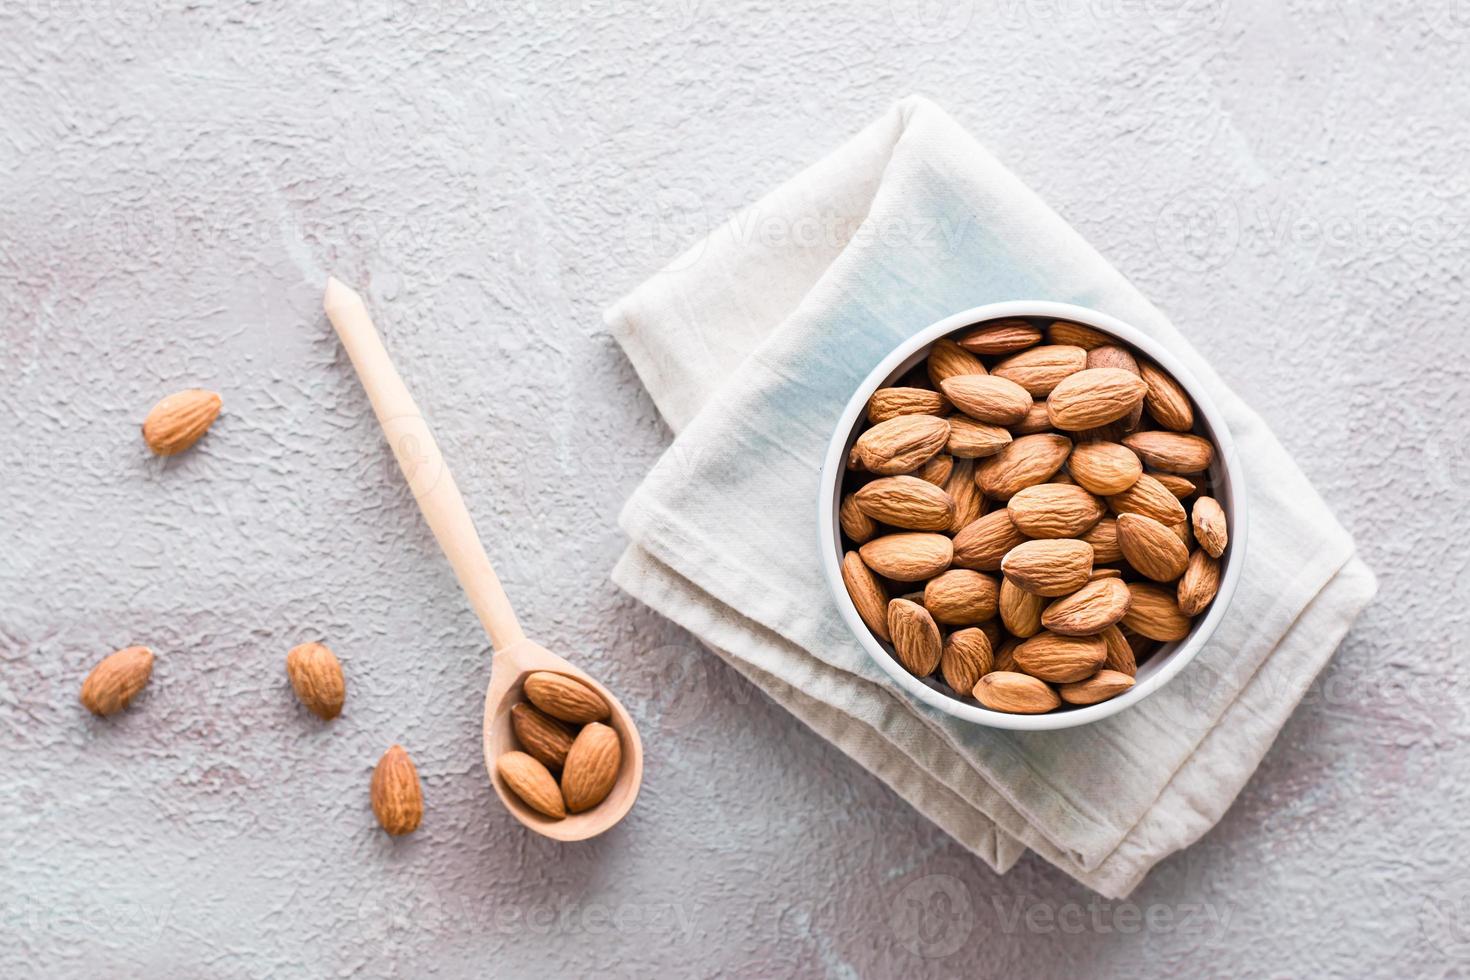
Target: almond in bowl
1031 515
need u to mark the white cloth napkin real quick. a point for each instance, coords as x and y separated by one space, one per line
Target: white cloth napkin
753 341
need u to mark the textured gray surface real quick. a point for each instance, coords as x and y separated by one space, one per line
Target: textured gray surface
1286 179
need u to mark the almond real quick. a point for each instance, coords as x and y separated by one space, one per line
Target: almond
316 677
1200 583
1177 485
1148 497
1094 397
1036 420
969 439
968 504
993 631
1120 653
867 594
1099 687
543 737
1090 610
1113 356
890 403
1153 612
948 359
966 658
907 502
936 470
1166 400
591 768
1003 690
1001 337
1026 462
1101 573
1104 468
178 421
908 557
1040 369
987 399
565 697
1151 548
1183 533
1061 659
1141 646
1209 526
859 527
901 444
1076 335
984 542
1049 567
1020 610
1054 510
1104 540
961 597
116 680
1005 655
397 798
1172 452
916 641
532 783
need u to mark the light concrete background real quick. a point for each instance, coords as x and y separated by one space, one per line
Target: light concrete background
1286 178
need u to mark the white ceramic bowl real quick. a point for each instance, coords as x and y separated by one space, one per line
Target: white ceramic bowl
1168 660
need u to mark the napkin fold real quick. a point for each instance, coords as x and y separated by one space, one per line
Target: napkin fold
751 343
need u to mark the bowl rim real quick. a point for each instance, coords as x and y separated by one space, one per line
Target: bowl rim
1234 505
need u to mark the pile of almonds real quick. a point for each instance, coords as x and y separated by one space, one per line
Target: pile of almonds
1028 514
560 728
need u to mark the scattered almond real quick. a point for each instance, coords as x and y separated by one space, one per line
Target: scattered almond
180 420
116 680
397 798
316 677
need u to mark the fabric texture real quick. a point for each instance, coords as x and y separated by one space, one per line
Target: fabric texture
752 342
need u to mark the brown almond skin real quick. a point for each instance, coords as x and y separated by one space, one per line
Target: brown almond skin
565 697
984 542
1020 610
1099 687
858 527
1036 421
316 678
948 359
116 680
180 420
868 595
1181 453
995 401
397 798
1054 510
591 768
1153 550
1104 540
1026 462
1166 400
1004 690
1061 659
1150 498
544 738
906 502
1113 356
1094 397
969 505
1049 567
969 439
1209 526
1153 612
532 783
916 640
938 468
1076 335
961 597
1119 651
1001 337
966 658
901 444
1177 485
1200 582
1040 369
889 403
1104 468
1090 610
912 556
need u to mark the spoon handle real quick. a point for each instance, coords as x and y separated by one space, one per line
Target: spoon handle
418 457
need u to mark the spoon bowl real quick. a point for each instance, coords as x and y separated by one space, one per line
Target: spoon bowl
507 676
445 512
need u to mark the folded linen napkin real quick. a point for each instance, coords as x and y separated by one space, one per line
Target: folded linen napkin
751 344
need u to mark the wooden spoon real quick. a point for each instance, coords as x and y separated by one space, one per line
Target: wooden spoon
442 506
